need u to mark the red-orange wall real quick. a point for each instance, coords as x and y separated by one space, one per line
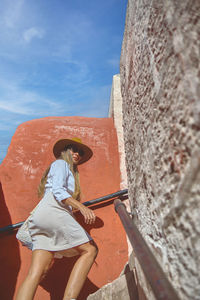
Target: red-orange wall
29 153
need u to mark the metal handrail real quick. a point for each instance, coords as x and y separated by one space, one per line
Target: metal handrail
157 279
12 227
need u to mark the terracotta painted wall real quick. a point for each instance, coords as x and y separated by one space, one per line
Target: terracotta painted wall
29 153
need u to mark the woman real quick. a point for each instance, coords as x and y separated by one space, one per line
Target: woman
52 227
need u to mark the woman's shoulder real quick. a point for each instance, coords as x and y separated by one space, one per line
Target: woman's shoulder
59 163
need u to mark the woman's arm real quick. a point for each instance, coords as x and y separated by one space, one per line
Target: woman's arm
87 213
59 174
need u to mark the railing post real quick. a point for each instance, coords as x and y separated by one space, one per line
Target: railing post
158 281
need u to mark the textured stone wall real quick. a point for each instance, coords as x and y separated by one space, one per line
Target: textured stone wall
161 110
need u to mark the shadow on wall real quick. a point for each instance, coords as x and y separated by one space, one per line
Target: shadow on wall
57 277
9 254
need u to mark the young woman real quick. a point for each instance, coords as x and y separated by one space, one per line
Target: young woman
53 229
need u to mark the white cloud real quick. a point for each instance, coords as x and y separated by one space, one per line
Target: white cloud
18 100
13 107
33 32
13 12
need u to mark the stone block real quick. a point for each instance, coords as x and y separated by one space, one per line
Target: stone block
123 288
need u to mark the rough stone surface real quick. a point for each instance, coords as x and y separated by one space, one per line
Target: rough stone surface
161 111
29 153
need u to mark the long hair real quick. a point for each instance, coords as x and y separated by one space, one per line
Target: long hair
66 156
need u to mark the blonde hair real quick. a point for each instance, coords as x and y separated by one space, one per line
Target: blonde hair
66 156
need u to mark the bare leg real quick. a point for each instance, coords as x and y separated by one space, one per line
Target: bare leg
88 252
41 261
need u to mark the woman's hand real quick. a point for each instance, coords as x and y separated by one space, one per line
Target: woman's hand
88 214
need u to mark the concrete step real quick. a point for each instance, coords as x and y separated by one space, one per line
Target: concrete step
123 288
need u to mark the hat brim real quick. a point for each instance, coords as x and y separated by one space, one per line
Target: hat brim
61 144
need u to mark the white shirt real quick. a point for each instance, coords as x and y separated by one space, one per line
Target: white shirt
60 180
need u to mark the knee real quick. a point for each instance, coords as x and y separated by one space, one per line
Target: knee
35 275
93 250
38 274
44 273
46 269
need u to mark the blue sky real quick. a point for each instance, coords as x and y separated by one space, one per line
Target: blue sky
57 58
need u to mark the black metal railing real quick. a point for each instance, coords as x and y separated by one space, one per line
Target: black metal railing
12 227
157 279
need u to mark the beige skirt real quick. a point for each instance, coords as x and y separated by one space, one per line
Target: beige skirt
53 227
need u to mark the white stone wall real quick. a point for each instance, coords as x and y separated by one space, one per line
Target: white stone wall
115 111
160 73
119 288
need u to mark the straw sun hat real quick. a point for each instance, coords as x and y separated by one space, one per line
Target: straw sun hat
61 144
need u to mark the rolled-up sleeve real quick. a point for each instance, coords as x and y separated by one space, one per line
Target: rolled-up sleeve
59 173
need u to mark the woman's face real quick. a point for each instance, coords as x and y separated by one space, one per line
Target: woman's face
76 153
